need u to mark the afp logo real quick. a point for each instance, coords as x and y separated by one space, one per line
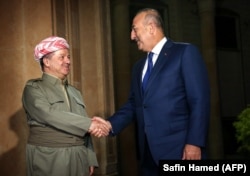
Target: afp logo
234 167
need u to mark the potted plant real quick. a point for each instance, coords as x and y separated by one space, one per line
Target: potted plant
242 126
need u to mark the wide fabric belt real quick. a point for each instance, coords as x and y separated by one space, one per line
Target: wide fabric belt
49 137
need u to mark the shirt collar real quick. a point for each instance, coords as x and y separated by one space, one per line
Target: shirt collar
54 80
159 45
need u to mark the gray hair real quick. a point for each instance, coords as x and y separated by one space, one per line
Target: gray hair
152 15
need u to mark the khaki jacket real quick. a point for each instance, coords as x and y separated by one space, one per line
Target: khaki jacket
46 106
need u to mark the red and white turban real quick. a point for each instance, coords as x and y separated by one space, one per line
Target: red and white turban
49 45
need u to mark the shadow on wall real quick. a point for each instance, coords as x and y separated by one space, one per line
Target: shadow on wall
12 162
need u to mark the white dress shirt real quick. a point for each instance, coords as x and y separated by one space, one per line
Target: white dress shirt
156 50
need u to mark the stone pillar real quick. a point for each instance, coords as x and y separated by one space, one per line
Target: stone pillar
207 14
123 62
23 24
96 69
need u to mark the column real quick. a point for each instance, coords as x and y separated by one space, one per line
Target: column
122 76
207 14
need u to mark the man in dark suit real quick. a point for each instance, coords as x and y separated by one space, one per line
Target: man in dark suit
172 110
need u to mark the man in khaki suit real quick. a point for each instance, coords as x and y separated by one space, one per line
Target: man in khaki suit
59 142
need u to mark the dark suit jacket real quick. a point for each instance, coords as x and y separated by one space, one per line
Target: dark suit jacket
175 107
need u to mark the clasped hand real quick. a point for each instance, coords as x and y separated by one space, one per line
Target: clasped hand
99 127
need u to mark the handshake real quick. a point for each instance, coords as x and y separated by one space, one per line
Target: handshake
99 127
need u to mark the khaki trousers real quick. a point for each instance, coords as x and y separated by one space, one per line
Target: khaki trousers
47 161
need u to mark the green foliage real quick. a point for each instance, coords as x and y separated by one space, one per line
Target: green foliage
242 126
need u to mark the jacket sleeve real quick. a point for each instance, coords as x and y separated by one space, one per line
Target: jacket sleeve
197 88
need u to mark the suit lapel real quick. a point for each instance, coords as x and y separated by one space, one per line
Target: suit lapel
161 61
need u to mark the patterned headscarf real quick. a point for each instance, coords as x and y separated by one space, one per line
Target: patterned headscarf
49 45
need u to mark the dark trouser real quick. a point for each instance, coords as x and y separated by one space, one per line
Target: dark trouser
148 167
